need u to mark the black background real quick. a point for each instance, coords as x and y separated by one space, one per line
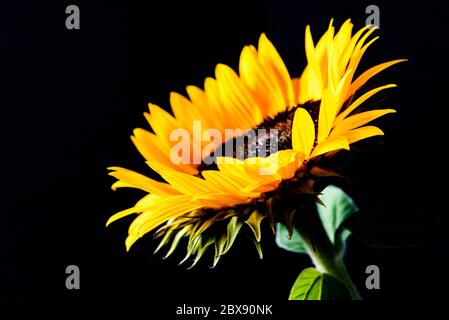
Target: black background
69 102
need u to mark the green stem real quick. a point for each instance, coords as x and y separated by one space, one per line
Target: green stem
326 256
335 267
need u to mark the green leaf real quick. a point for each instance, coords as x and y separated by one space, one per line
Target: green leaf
314 285
338 207
390 228
333 289
307 286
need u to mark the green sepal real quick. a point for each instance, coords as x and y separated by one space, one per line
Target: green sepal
254 222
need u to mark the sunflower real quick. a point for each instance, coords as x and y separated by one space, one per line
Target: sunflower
206 203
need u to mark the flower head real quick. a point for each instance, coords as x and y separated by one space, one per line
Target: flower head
279 131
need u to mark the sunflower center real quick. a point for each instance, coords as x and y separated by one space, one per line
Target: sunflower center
270 136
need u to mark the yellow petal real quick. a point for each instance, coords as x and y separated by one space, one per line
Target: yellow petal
295 84
218 200
266 91
358 120
365 76
315 85
168 208
238 99
133 179
150 201
120 215
221 181
363 133
358 46
342 38
303 132
188 114
270 58
183 182
359 101
235 168
263 168
346 55
199 100
154 151
358 54
265 185
288 162
328 109
211 92
161 122
341 90
330 145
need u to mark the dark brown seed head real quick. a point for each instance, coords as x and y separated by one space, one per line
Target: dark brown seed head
276 135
